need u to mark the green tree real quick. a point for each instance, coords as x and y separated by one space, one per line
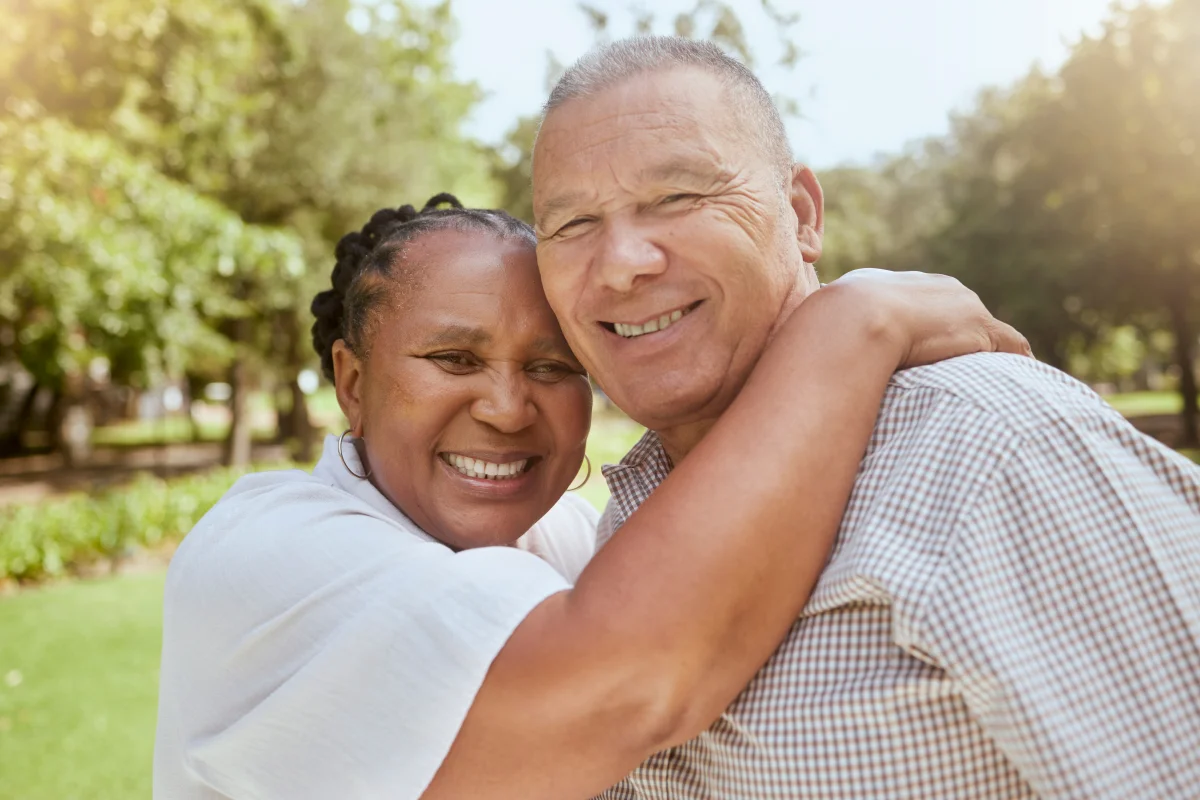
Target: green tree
290 121
1128 151
367 115
1074 196
120 120
107 258
1005 232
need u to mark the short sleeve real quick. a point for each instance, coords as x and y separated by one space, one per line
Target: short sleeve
337 659
1069 613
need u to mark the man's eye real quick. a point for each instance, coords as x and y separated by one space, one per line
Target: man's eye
675 198
575 223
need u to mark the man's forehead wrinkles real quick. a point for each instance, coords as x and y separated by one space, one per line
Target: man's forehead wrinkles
613 125
703 165
589 150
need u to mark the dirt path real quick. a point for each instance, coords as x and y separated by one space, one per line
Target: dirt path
29 478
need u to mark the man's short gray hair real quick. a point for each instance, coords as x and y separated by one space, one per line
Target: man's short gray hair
613 63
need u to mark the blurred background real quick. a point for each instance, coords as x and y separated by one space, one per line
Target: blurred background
173 176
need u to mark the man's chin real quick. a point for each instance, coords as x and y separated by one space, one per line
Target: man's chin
662 407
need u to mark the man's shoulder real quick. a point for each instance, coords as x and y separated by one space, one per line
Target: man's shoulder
944 431
1017 393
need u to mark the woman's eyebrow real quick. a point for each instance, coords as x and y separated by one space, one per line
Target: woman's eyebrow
468 336
549 346
458 335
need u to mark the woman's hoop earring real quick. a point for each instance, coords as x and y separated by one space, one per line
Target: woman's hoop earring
341 439
587 477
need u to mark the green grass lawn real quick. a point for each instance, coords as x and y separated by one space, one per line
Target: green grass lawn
79 672
79 689
322 406
173 430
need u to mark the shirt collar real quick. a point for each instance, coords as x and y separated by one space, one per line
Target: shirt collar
333 470
640 472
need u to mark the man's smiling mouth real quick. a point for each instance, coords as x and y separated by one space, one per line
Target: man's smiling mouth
629 330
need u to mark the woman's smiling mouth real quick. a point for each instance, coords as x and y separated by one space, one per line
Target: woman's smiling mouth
486 470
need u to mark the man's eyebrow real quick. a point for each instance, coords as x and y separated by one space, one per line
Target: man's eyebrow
560 203
696 174
681 168
459 335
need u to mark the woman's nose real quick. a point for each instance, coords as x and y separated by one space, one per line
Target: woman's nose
504 403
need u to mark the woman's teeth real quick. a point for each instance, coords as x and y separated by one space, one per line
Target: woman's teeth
477 468
660 324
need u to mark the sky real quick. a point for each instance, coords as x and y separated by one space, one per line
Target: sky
875 75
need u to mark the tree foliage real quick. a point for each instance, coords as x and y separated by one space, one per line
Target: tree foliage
110 258
176 172
1073 197
1068 201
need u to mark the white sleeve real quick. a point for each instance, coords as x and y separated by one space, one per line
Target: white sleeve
565 537
333 659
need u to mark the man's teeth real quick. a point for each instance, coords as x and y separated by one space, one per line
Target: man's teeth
477 468
660 324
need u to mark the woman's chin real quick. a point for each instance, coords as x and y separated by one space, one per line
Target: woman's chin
485 512
482 530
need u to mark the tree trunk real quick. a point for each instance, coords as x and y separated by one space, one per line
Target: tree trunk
283 414
71 424
1185 359
301 425
295 425
11 442
238 441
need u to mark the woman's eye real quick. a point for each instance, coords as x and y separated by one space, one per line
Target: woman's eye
454 362
549 369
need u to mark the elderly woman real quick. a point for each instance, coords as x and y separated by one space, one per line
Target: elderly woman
424 616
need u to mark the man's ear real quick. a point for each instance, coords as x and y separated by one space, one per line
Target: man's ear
808 201
347 380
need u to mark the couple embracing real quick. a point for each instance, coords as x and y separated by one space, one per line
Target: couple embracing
868 547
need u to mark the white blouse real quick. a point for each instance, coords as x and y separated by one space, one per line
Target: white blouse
318 644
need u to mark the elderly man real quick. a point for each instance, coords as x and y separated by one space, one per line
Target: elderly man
1013 606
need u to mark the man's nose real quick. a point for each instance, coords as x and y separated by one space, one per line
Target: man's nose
504 401
626 255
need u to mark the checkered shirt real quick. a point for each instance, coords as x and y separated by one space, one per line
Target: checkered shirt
1012 609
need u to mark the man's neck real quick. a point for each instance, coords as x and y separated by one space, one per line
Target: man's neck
681 440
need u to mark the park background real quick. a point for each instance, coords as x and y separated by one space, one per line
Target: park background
173 175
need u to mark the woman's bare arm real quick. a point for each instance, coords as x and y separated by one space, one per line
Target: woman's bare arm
691 596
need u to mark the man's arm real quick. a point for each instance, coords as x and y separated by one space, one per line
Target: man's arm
1069 611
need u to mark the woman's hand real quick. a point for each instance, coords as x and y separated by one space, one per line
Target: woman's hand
926 317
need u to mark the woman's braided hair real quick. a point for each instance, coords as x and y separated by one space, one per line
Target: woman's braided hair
365 256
